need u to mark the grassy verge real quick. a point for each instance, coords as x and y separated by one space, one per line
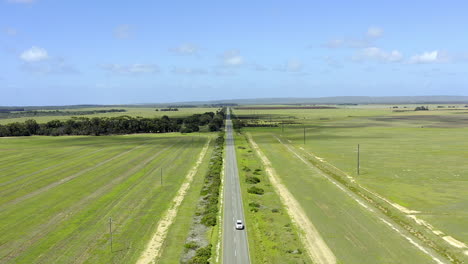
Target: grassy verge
198 245
174 244
272 236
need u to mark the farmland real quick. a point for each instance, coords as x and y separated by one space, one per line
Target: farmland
412 161
129 111
59 193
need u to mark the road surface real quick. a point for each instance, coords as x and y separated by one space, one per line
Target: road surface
235 244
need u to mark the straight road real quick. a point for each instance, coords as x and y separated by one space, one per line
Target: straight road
235 244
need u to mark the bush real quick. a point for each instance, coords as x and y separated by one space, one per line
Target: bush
252 179
245 168
202 255
191 245
209 219
274 210
256 190
254 204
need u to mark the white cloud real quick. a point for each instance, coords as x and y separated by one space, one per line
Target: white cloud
364 41
50 66
123 31
188 71
131 69
378 54
232 58
185 49
34 54
291 66
259 67
10 31
375 32
21 1
427 57
348 43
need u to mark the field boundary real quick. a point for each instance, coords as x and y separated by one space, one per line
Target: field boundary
153 248
316 247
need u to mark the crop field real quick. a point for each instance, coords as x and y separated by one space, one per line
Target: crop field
130 111
414 162
58 194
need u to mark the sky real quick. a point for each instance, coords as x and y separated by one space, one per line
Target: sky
55 52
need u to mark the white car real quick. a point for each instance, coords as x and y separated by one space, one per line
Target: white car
239 225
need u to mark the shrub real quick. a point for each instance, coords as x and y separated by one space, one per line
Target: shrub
256 190
191 245
252 179
274 210
254 204
202 255
209 219
245 168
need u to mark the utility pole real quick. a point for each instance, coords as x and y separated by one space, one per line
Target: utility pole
161 178
110 231
358 160
304 135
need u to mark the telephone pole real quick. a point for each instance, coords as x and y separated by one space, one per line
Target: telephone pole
358 159
304 135
110 231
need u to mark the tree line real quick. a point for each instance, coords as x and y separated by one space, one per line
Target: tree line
114 125
32 113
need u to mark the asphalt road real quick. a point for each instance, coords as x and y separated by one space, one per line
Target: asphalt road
235 244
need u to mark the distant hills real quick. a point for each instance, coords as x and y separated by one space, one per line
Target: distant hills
444 99
438 99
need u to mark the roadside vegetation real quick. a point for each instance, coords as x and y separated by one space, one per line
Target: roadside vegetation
198 245
273 238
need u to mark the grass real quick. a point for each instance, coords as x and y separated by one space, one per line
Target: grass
174 244
272 236
415 159
131 111
115 176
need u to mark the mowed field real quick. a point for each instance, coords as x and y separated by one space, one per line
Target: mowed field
412 159
58 194
130 111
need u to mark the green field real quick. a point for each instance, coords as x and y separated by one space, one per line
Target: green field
130 111
414 159
58 193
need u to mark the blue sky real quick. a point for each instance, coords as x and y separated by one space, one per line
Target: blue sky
56 52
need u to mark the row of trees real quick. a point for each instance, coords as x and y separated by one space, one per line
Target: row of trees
114 125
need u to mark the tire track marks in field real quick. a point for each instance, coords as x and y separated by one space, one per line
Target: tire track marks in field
316 247
67 179
48 168
120 201
154 246
48 227
364 205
